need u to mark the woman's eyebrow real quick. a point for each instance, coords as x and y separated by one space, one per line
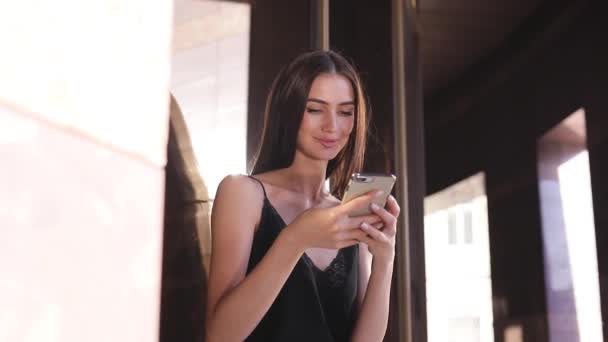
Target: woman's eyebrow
312 99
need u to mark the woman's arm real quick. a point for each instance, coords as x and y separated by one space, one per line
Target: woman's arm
373 296
235 303
376 257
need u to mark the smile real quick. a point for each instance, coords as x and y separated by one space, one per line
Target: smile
328 143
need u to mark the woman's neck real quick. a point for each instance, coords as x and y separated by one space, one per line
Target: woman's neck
307 177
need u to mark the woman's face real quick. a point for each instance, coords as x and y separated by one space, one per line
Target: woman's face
328 119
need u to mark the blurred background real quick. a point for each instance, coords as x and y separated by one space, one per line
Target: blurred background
119 119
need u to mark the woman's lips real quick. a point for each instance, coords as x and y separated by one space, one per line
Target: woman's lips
328 143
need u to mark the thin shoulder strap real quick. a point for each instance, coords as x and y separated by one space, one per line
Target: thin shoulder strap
261 184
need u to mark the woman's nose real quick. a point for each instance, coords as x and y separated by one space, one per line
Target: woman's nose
330 121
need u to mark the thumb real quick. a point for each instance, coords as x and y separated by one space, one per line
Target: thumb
359 202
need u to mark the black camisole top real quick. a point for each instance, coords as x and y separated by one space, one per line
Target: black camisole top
313 305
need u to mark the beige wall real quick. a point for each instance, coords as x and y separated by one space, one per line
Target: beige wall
83 126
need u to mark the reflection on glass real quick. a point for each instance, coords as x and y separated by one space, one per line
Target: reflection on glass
569 233
459 288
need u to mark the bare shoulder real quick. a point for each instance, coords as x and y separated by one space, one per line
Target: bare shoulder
238 194
237 184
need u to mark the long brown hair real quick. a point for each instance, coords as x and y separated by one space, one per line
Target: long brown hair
285 107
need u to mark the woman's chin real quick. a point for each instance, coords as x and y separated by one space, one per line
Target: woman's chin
326 155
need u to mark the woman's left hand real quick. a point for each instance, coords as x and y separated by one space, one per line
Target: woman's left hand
381 242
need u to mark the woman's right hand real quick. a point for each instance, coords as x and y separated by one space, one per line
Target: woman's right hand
332 227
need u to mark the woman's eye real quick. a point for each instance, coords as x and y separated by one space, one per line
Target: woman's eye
346 113
312 110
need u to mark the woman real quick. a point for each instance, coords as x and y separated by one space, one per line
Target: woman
288 263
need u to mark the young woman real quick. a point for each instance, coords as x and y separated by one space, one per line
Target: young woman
288 263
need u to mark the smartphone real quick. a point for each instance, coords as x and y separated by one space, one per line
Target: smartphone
361 183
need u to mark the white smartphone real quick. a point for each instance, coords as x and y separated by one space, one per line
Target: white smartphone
361 183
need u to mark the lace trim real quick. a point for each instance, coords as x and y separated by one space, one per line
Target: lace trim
336 271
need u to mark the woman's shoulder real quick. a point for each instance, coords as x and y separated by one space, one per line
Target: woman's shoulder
239 198
239 186
235 180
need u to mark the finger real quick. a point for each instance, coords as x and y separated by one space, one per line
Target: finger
352 234
360 202
369 241
373 232
392 206
388 218
379 225
372 219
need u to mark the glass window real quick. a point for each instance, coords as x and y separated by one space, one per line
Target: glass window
461 311
468 226
462 329
452 229
572 285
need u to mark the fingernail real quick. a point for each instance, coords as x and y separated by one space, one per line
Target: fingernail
364 226
375 206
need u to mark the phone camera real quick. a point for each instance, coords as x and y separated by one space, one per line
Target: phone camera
363 179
